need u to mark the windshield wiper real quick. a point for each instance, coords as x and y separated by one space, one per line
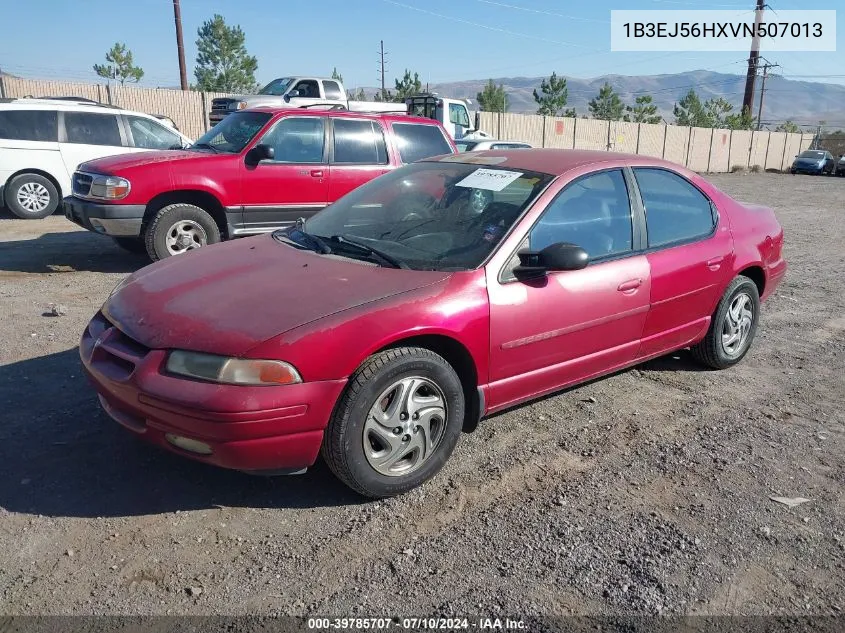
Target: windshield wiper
314 242
206 145
380 256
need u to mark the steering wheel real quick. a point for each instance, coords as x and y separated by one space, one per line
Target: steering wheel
495 213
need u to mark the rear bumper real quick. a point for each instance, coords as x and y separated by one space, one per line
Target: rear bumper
775 274
119 220
243 428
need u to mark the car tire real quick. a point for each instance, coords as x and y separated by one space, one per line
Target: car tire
131 244
179 228
737 314
31 196
377 459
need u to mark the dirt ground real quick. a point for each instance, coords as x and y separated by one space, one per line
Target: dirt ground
646 492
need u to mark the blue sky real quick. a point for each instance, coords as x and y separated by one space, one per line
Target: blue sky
443 40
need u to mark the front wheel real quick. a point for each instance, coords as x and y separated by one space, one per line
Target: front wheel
396 424
733 326
179 228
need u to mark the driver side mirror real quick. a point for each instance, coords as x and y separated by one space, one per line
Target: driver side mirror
291 94
555 257
258 153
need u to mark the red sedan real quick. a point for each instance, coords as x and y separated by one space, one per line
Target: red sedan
380 328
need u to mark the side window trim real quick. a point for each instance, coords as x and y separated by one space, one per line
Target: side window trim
272 127
714 212
376 127
506 276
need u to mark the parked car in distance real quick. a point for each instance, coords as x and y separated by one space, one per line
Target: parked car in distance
840 166
375 335
813 161
43 140
254 172
466 145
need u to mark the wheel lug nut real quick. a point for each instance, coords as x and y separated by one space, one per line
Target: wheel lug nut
416 416
403 416
406 438
417 429
397 430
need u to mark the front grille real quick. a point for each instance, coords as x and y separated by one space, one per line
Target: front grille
218 105
82 184
113 353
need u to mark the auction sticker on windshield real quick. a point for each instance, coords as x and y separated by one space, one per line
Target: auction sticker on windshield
490 179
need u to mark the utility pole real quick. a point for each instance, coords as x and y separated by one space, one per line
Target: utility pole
381 72
180 48
748 97
766 67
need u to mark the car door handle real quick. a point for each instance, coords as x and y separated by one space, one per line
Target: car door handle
316 173
715 262
631 284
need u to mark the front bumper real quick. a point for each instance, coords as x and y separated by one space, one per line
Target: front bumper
806 169
269 429
118 220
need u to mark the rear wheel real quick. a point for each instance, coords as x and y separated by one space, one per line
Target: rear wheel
733 326
31 196
179 228
396 424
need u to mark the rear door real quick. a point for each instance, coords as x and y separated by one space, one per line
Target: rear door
690 253
358 154
84 136
295 183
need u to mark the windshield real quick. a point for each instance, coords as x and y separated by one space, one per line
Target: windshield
431 215
233 133
276 87
812 154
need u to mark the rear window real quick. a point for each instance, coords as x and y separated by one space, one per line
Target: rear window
416 142
29 125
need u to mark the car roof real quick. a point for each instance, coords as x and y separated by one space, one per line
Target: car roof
64 105
553 161
351 114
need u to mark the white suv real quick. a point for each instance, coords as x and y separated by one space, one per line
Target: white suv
43 140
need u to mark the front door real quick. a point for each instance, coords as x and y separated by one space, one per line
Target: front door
295 183
571 325
690 254
358 155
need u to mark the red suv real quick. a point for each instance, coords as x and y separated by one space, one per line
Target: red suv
254 172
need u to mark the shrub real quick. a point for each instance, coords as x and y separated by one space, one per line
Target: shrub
756 169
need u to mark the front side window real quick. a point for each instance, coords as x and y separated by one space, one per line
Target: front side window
29 125
297 140
432 215
675 210
233 133
308 88
151 135
417 142
358 142
458 114
88 128
594 212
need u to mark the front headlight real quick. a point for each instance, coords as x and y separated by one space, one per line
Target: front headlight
233 371
109 188
237 105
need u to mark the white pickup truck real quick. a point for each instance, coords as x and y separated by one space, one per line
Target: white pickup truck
299 92
320 92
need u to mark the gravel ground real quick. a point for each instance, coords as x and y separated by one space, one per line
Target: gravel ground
646 492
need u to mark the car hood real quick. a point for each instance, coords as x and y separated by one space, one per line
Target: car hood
122 162
227 298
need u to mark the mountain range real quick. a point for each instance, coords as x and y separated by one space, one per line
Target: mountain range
803 102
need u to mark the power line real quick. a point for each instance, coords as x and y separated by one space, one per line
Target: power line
541 12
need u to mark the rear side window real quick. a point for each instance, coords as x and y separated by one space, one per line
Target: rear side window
332 90
416 142
357 142
88 128
676 211
29 125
